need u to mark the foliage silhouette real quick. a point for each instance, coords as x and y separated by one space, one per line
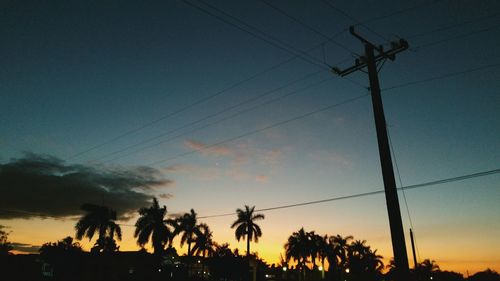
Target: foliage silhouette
246 227
5 245
98 219
152 225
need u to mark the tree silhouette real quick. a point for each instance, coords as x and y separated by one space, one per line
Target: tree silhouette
297 248
203 243
105 245
364 264
187 225
151 225
98 219
5 245
246 227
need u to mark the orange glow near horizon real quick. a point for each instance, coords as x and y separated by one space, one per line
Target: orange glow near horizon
269 248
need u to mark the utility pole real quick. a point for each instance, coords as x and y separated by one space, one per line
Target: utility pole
413 249
369 61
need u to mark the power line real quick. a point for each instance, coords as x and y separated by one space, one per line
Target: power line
255 32
274 125
447 27
226 109
227 117
460 36
402 11
277 124
345 14
352 196
234 85
358 195
314 30
448 75
403 191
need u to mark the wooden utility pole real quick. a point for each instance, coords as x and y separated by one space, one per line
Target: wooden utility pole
369 61
415 262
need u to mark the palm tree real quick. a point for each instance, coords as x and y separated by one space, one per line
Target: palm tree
152 225
203 244
297 248
245 225
187 225
364 263
100 219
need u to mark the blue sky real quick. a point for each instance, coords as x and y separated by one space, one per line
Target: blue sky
78 74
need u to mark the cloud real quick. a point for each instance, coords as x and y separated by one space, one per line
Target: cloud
44 186
205 149
262 178
165 196
25 248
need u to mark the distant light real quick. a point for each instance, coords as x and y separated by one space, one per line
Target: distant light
320 268
284 268
431 277
199 261
267 275
159 269
347 270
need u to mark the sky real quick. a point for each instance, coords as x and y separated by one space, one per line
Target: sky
214 105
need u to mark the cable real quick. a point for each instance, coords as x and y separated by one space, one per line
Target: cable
415 186
405 10
308 26
441 77
226 109
321 109
447 27
148 124
425 45
274 125
403 191
345 14
255 33
227 117
352 196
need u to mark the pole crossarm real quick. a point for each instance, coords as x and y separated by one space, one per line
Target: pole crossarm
360 63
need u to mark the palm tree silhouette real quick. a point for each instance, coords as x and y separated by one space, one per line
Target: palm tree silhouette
152 225
203 243
245 225
100 219
187 225
297 248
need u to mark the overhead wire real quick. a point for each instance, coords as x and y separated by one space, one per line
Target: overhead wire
211 115
249 133
460 36
337 198
358 195
345 14
310 113
307 26
232 86
227 117
455 25
253 31
401 186
439 77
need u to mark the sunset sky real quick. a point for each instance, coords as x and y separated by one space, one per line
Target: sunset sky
214 105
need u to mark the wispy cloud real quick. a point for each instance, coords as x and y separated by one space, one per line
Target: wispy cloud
206 149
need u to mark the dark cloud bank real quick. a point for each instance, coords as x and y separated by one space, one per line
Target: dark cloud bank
40 185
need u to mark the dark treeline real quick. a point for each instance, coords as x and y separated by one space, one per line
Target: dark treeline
308 255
